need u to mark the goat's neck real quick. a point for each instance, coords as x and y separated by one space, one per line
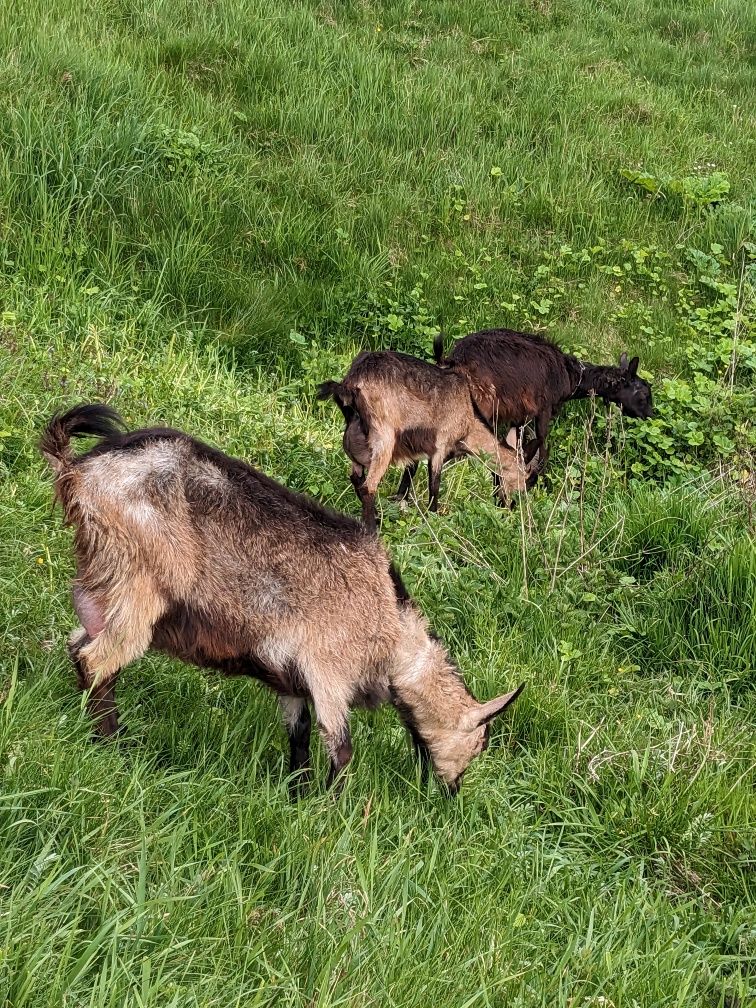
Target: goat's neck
427 684
596 379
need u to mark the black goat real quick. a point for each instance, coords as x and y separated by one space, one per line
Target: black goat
516 377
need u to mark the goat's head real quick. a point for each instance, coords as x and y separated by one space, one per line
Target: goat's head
631 393
453 753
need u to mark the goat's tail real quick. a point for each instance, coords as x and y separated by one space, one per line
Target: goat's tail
86 420
345 398
438 347
337 391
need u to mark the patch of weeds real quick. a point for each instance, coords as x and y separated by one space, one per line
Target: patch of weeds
698 191
185 152
394 317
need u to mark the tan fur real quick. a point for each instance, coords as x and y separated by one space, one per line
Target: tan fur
451 720
223 568
409 410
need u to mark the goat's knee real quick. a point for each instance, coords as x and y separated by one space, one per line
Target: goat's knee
101 702
339 748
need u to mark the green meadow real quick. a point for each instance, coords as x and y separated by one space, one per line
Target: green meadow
206 208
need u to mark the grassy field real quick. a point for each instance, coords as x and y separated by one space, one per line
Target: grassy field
205 209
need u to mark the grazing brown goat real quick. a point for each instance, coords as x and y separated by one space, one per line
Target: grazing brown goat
517 377
185 550
399 409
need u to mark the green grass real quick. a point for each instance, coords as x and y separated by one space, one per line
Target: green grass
206 208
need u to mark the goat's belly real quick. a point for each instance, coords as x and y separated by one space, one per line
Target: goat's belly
372 694
413 443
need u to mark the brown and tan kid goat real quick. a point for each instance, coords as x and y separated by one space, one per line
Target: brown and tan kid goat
185 550
398 409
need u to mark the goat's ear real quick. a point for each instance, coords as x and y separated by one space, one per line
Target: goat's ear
632 368
486 712
623 360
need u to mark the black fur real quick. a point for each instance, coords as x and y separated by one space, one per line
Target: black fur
299 751
420 745
518 377
84 420
416 441
402 595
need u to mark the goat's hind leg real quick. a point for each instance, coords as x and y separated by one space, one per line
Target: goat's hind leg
101 702
381 453
296 715
124 633
405 484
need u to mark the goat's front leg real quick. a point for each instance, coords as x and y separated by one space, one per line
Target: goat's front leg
339 748
331 707
542 426
296 715
508 476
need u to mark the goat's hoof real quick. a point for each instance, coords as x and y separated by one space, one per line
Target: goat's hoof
110 733
300 784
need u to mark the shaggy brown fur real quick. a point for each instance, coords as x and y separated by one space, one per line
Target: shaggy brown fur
398 409
517 377
183 549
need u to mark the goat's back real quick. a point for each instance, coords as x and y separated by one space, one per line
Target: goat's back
513 376
398 391
252 567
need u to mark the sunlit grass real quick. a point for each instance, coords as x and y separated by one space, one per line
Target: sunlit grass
181 185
